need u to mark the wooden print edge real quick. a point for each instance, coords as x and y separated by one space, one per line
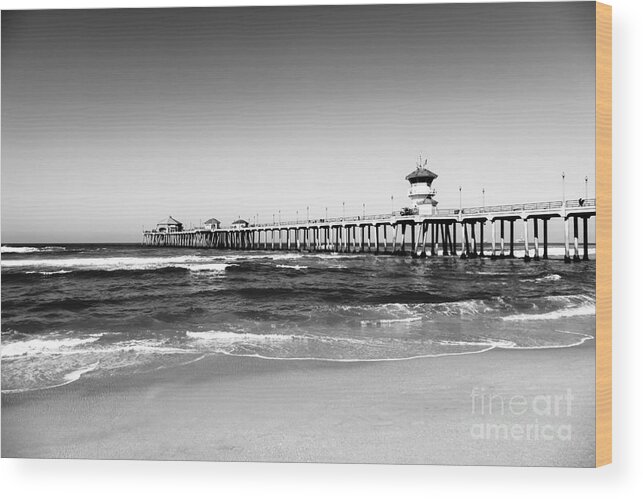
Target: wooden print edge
603 234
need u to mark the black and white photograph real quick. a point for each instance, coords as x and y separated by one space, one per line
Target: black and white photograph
301 234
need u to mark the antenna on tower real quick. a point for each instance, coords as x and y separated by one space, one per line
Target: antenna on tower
420 165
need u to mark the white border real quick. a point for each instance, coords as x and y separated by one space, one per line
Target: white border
109 479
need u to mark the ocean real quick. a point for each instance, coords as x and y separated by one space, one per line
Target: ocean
74 310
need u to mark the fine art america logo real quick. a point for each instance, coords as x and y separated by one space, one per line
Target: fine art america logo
541 417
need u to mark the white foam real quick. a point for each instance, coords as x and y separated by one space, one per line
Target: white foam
571 300
549 277
190 262
68 378
409 312
384 307
489 342
354 360
232 337
29 249
335 256
510 345
75 375
465 307
554 251
555 314
53 272
262 256
18 249
206 267
388 322
38 346
296 267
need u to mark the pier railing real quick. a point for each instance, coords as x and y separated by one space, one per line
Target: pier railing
544 207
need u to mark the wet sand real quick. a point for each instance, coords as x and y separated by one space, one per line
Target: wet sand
430 410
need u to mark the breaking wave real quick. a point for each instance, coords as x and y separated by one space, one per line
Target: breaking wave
555 314
569 306
39 346
232 337
45 362
52 272
30 249
192 263
546 278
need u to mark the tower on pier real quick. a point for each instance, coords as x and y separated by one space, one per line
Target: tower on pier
421 193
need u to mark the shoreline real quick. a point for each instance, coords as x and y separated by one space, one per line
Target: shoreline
229 408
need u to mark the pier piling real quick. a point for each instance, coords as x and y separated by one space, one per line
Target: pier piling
576 252
536 252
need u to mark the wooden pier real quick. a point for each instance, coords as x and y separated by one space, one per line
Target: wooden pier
445 232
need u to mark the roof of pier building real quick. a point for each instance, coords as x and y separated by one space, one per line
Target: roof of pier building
240 222
212 221
169 221
421 174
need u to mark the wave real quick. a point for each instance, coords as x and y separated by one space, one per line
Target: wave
571 300
357 359
545 308
34 347
43 363
53 272
30 249
260 256
205 267
449 308
67 379
555 314
546 278
571 306
487 342
388 322
192 263
465 307
296 267
232 337
38 364
336 256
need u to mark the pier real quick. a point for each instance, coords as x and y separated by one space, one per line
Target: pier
447 232
422 230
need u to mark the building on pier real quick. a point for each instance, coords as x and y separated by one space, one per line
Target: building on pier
421 192
169 225
212 224
239 224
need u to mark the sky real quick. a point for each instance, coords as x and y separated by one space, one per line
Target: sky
114 119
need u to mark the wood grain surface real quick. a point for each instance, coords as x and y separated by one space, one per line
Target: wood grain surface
604 234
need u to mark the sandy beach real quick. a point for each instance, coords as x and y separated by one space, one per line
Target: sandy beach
226 408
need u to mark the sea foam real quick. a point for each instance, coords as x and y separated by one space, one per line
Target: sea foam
193 263
232 337
30 249
38 346
554 314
